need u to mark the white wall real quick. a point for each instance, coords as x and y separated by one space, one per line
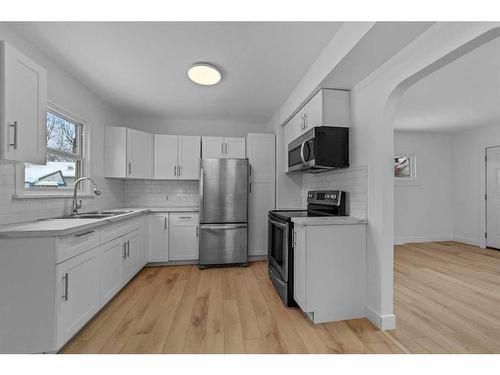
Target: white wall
423 209
66 92
194 127
469 181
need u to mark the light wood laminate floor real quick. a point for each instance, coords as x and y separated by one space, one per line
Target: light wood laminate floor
447 300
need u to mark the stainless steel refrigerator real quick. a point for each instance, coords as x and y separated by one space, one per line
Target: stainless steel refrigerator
223 212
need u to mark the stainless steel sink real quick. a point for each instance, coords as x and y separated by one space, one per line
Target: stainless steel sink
89 215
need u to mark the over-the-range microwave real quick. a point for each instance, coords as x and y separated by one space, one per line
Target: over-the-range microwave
319 149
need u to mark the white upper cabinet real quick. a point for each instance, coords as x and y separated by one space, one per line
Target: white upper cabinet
188 157
328 107
165 159
139 154
176 157
235 147
223 147
212 147
128 153
23 85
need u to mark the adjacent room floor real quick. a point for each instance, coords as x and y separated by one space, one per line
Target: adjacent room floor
447 300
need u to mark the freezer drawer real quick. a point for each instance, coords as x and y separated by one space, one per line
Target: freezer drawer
223 243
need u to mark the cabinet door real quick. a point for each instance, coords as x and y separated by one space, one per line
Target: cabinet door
212 147
183 236
115 152
235 148
132 255
165 157
261 158
24 108
299 267
189 158
299 123
158 238
110 265
139 154
314 111
77 294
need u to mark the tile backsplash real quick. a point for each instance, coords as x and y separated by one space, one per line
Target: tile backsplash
14 210
139 193
354 181
114 193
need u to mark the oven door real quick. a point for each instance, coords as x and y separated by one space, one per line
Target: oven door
277 248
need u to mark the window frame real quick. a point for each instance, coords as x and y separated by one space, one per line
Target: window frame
412 179
83 145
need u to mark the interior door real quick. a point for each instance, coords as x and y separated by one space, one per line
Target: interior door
235 148
139 154
224 191
165 157
189 158
493 197
25 85
212 147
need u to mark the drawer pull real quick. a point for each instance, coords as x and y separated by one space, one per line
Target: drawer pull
185 217
84 233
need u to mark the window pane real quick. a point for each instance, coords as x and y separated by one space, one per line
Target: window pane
61 134
402 167
60 172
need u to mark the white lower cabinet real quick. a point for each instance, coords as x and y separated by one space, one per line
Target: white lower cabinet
183 236
158 237
131 256
110 266
329 278
77 294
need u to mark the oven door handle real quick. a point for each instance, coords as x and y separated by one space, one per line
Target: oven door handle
277 223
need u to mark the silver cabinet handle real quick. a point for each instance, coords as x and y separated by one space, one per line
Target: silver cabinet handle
175 170
201 194
250 187
65 295
222 148
14 144
129 168
84 233
165 222
179 171
197 230
128 249
124 250
184 217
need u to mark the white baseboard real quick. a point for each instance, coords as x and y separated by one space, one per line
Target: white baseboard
383 322
403 240
468 241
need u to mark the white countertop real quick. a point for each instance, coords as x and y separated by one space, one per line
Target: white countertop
61 227
329 220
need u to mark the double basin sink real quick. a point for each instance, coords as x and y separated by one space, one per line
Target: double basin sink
90 215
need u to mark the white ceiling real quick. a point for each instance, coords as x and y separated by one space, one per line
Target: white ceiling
460 96
140 68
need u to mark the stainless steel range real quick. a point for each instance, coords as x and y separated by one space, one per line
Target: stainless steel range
280 231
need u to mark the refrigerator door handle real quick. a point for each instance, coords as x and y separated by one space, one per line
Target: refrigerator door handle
201 196
222 227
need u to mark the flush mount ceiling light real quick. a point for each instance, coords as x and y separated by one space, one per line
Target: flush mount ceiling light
204 74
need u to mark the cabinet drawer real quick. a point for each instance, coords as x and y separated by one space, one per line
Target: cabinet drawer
116 230
75 244
184 218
